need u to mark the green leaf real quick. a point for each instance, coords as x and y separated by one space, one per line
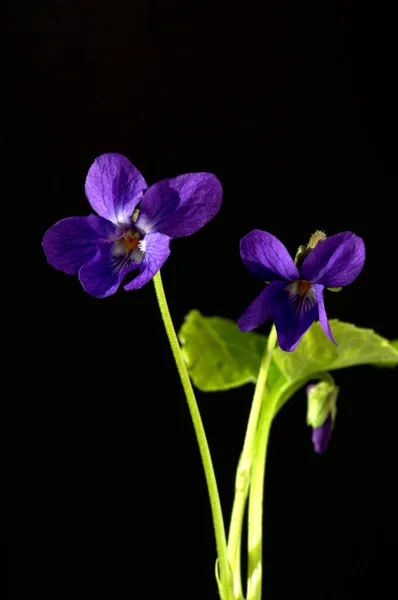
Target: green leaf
218 355
394 344
356 346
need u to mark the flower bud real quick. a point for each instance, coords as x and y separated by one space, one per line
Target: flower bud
303 251
321 413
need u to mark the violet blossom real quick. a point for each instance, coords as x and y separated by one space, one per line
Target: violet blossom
101 249
294 296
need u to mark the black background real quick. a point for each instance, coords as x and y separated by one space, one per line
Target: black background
291 105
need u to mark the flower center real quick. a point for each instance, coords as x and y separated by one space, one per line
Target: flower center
303 286
131 239
127 250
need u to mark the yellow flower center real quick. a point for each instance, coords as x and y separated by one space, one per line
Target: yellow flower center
131 239
303 286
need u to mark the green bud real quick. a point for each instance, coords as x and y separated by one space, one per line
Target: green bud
322 403
318 236
303 251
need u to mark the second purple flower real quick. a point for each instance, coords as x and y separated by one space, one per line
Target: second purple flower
294 296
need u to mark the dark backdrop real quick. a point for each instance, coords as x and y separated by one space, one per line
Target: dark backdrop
291 105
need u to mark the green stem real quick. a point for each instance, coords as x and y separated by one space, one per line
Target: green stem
244 468
218 523
255 505
271 405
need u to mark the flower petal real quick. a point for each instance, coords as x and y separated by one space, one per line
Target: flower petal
266 257
72 242
262 308
103 274
323 318
321 436
336 261
157 251
180 206
293 314
114 187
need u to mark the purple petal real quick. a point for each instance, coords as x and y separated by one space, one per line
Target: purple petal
180 206
321 436
72 242
323 319
336 261
293 314
114 187
103 274
292 309
157 251
262 308
266 257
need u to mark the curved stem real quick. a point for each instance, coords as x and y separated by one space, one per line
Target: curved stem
218 523
244 468
271 406
255 507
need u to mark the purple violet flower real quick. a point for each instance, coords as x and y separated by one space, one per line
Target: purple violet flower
101 249
294 296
